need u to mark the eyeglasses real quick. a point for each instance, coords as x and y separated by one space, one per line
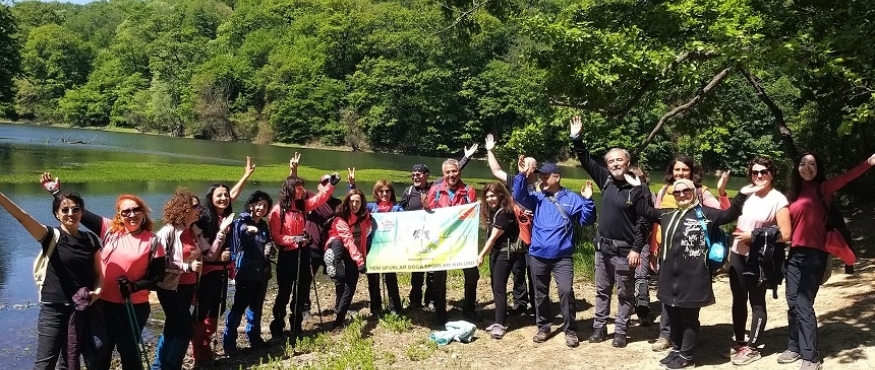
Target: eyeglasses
685 192
417 174
70 210
384 191
759 172
196 206
130 212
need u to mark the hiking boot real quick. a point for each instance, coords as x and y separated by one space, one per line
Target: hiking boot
644 321
679 362
619 341
661 344
746 356
733 350
496 331
808 365
669 358
541 336
789 357
598 335
571 339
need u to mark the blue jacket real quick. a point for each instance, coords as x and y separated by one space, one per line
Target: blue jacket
249 248
551 233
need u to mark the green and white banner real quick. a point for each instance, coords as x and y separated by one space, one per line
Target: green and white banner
436 240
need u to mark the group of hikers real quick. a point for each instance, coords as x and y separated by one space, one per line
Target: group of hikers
96 283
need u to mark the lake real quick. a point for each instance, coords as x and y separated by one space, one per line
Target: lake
34 149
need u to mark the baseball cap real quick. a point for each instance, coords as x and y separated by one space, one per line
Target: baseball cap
549 168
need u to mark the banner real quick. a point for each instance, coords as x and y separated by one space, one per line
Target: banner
436 240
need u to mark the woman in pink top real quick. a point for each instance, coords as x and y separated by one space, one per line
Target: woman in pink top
767 207
128 258
810 194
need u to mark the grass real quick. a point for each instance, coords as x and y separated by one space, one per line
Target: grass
396 323
420 350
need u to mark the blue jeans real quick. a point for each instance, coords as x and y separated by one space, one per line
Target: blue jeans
177 327
248 299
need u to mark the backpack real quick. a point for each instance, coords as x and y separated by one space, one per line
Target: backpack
524 221
41 264
772 263
717 242
513 244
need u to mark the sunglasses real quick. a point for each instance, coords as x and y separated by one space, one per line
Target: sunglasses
384 191
759 172
70 210
130 212
417 174
196 206
685 192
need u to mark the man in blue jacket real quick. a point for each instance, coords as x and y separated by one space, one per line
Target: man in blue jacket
556 209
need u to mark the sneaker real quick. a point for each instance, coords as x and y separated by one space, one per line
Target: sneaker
669 358
541 336
746 356
661 344
679 362
789 357
571 339
733 350
808 365
496 331
330 268
598 335
619 341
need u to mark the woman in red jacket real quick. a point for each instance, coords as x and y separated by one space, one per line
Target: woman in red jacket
345 250
810 196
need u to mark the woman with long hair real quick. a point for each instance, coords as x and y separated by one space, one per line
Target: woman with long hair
184 244
213 287
765 208
384 201
130 267
681 167
346 250
497 215
810 197
287 221
73 268
251 240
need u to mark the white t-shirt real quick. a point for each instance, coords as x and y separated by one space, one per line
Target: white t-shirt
758 212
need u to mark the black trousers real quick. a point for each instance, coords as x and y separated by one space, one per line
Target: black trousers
805 267
500 266
120 336
746 288
374 292
292 266
472 274
684 329
52 336
345 282
523 285
416 281
562 270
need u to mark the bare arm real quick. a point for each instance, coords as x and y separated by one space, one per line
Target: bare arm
37 230
238 187
785 225
496 233
495 167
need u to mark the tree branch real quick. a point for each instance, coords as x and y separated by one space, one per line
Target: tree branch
464 15
715 81
562 103
783 131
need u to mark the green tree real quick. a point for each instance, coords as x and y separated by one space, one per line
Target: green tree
10 61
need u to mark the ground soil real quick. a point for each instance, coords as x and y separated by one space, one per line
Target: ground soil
845 308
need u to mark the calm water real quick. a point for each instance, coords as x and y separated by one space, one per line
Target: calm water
33 149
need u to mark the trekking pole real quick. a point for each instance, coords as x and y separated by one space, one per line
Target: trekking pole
295 298
222 305
316 291
132 321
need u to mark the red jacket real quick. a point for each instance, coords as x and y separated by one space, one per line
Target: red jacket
340 229
439 195
295 220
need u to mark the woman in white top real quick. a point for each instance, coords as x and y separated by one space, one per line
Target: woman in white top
767 207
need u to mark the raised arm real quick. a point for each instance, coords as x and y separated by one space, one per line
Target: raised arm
643 206
722 217
469 152
238 187
834 184
37 230
584 208
520 191
322 196
293 164
595 170
494 166
709 200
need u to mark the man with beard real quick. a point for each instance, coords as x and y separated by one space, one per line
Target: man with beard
617 252
453 192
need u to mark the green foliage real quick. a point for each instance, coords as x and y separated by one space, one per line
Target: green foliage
426 78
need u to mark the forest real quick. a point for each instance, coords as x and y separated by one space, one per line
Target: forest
720 80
